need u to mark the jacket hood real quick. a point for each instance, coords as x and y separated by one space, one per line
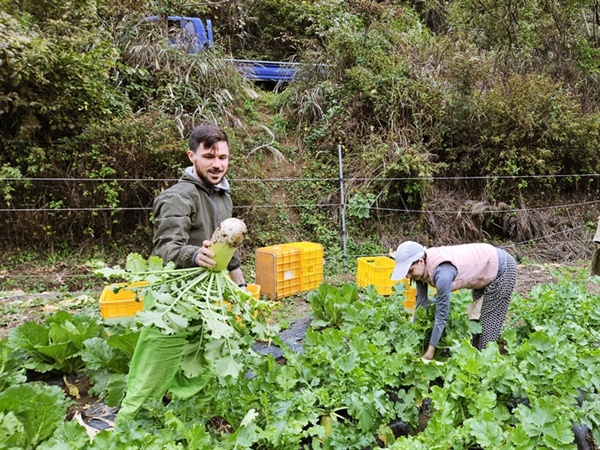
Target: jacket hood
222 186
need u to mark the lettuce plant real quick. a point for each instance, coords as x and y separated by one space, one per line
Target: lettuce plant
57 344
29 414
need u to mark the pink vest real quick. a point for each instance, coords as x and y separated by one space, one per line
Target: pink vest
477 264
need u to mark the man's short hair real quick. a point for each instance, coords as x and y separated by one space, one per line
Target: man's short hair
208 135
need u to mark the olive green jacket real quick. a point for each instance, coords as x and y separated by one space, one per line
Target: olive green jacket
185 215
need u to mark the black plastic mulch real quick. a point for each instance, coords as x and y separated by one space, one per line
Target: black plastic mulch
292 337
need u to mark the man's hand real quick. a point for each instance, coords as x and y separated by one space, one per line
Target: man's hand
204 257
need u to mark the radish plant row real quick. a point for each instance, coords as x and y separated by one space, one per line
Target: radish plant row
359 381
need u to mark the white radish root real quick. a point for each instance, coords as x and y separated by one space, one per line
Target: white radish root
225 240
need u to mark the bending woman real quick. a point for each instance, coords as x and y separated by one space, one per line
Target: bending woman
488 271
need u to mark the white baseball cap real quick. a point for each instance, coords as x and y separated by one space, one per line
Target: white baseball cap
407 253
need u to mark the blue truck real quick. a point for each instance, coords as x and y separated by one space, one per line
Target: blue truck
194 36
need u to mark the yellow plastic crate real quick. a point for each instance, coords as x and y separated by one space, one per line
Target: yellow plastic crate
376 270
311 264
254 289
410 293
278 270
410 304
121 303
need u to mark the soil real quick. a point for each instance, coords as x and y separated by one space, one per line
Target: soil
531 275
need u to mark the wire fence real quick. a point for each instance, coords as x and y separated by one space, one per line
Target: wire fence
235 181
591 205
580 233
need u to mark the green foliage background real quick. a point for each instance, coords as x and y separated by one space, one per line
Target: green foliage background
93 96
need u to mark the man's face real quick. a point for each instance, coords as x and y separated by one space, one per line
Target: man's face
210 164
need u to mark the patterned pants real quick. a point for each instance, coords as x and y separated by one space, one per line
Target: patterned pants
496 297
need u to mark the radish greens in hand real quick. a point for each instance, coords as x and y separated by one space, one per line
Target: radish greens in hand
217 316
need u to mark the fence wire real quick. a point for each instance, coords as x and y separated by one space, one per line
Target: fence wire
278 205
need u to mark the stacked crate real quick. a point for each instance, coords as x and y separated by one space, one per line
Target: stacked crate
287 269
311 264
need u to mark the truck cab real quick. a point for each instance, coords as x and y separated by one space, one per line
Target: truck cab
187 33
192 35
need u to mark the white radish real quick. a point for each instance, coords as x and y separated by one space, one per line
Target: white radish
225 240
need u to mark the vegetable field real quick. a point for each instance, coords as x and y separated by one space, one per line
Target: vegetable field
357 383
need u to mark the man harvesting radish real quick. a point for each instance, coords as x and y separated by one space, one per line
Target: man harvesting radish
186 216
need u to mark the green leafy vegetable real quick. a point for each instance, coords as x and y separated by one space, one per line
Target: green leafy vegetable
11 370
56 344
29 414
329 302
68 436
355 378
107 365
204 305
